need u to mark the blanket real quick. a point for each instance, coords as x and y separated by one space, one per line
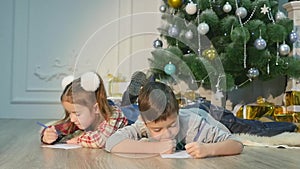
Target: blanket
283 140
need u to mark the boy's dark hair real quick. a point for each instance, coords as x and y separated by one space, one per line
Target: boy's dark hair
157 102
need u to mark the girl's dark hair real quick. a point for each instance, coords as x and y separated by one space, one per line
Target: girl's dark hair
157 102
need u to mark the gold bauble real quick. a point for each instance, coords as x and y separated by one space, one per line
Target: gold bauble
175 3
209 53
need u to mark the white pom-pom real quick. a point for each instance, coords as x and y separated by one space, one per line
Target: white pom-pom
66 80
90 81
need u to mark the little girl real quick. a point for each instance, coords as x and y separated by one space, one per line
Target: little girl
88 112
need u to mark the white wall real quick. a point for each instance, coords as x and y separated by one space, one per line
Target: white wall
43 41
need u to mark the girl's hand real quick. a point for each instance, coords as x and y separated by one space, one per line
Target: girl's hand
50 135
197 150
72 141
168 146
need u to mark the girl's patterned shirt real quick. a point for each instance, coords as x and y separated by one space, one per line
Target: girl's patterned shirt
97 138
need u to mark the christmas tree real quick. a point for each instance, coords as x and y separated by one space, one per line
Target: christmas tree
223 44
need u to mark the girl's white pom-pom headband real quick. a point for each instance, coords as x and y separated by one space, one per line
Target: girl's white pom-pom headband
66 80
89 81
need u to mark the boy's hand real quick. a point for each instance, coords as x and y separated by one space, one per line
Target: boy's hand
50 135
169 146
197 150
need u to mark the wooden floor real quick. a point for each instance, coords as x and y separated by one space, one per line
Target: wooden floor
20 148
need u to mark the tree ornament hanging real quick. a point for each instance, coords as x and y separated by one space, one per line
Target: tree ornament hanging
260 43
191 8
173 31
279 16
293 37
203 28
264 9
241 12
284 49
163 8
175 3
170 68
157 43
253 73
210 53
227 7
189 35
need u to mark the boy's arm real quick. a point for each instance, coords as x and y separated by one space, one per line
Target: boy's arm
227 147
130 140
134 146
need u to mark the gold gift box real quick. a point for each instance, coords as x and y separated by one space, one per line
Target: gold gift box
292 98
287 114
255 111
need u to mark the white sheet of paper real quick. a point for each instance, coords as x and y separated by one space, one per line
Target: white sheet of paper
63 146
178 154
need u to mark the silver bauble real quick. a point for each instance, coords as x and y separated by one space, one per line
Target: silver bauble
227 7
253 73
241 12
191 8
188 35
157 43
203 28
163 8
173 31
260 43
284 49
293 37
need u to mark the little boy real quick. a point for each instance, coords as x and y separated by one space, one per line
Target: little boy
163 125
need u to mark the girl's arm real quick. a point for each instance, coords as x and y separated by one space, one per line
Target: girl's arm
134 146
97 139
202 150
49 135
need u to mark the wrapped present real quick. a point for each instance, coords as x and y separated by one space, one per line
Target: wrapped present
182 101
256 110
116 85
288 114
292 98
116 89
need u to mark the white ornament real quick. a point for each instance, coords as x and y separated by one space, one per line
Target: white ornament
66 81
284 49
203 28
163 8
191 8
264 9
188 35
279 16
90 81
241 12
227 7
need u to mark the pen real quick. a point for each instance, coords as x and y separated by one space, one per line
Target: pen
43 125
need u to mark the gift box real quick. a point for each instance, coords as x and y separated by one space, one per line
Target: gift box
288 114
116 85
116 89
256 110
292 98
